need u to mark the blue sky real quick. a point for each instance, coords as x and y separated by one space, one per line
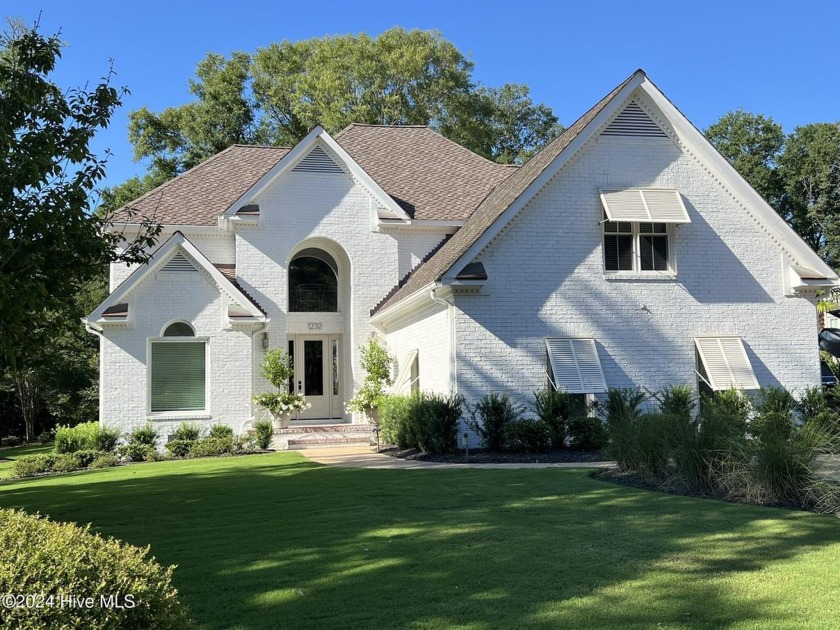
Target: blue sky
776 58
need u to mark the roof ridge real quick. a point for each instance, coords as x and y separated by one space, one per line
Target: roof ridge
258 146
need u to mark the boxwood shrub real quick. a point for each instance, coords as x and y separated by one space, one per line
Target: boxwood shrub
264 430
41 557
528 435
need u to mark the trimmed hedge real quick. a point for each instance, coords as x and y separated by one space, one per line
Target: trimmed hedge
531 436
425 421
88 436
43 558
264 430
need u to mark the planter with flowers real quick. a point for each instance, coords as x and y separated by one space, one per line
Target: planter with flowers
282 404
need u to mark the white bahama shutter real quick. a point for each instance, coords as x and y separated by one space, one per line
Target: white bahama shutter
178 376
726 363
656 205
402 384
576 366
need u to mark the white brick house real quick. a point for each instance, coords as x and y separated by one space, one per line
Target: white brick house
627 253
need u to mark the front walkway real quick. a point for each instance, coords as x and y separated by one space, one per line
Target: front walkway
367 457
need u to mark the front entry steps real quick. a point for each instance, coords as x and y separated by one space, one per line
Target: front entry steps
303 436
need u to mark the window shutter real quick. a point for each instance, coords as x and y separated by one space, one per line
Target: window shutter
657 205
178 376
726 363
402 384
576 366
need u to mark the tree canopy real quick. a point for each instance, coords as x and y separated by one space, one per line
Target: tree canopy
277 94
52 243
798 174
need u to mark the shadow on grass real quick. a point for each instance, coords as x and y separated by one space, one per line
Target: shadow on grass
275 541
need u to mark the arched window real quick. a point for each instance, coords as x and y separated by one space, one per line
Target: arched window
313 282
179 329
178 371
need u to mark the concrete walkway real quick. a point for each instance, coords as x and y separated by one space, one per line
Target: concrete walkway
367 457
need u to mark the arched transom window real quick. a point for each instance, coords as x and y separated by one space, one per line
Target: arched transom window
313 282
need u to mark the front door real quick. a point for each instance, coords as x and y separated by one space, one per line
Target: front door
316 366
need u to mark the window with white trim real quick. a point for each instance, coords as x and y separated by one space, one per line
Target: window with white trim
638 228
177 365
722 363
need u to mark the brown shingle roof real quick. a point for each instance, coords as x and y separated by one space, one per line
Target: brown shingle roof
429 176
494 205
201 194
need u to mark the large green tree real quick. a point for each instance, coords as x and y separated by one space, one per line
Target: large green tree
51 243
277 94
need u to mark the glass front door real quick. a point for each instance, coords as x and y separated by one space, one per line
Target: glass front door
316 365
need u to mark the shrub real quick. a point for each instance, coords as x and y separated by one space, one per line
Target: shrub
179 448
106 439
31 465
243 444
264 430
586 433
651 446
40 556
137 452
46 437
104 460
187 432
72 439
221 431
66 462
490 416
376 363
621 411
145 435
554 407
11 440
676 400
394 412
528 435
212 446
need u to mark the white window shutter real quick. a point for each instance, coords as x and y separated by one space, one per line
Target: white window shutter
402 384
726 363
656 205
576 365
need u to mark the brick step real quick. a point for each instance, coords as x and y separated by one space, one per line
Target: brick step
325 441
324 428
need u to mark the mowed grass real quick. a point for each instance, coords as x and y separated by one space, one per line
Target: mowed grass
8 455
275 541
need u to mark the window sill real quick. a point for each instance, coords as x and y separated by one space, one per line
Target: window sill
640 276
178 415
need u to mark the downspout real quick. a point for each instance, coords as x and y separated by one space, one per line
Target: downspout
453 366
253 417
99 334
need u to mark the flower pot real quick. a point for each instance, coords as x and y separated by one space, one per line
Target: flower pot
280 421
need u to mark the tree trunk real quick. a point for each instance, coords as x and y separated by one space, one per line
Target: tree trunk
28 393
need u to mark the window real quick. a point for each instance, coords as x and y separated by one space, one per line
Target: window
636 246
313 282
178 370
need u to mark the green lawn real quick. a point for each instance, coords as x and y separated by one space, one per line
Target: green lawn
272 541
19 451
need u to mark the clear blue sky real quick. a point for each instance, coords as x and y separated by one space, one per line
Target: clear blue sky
781 59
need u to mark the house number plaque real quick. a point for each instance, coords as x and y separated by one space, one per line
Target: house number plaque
316 325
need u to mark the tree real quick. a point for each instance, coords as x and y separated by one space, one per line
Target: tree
279 93
810 171
52 244
752 144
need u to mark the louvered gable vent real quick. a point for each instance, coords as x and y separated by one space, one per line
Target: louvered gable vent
633 121
317 161
179 264
576 366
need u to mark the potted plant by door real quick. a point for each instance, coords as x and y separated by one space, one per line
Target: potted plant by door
376 362
282 404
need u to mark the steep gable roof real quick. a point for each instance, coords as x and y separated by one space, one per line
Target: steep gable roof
199 195
429 176
495 204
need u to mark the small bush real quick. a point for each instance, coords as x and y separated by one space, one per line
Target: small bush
180 448
83 436
104 460
145 435
677 400
11 440
533 436
243 444
586 433
40 556
221 431
433 422
187 432
264 430
652 445
394 420
45 437
32 465
137 452
621 412
212 447
106 439
66 462
554 408
490 416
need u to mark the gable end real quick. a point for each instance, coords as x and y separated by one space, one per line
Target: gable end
317 161
634 122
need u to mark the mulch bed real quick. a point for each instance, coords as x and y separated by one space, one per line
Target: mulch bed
560 456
